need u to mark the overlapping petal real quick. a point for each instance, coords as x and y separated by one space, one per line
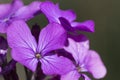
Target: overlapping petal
10 8
52 37
84 26
94 65
4 9
72 75
25 56
52 65
78 49
27 12
19 35
53 12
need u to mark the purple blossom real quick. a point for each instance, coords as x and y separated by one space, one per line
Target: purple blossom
16 10
65 17
85 61
26 51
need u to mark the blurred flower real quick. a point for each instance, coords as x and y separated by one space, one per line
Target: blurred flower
85 61
26 51
16 10
65 17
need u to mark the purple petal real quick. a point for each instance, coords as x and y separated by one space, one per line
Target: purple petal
52 37
95 65
53 12
3 27
28 11
77 49
19 35
54 65
15 5
84 26
8 9
69 15
4 9
25 57
72 75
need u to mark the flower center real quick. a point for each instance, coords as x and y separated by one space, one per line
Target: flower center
78 69
38 56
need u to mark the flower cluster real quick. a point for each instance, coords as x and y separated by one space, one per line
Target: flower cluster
57 50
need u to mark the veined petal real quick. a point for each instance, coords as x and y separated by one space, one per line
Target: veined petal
53 12
72 75
19 35
26 57
84 26
78 49
52 37
54 65
3 27
29 11
94 65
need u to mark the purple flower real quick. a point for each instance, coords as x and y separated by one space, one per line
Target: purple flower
85 61
16 10
26 51
65 17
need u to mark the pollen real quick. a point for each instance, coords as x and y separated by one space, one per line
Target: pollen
78 69
38 56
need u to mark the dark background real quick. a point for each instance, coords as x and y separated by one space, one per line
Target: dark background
105 40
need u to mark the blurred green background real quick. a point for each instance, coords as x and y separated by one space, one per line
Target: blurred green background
105 40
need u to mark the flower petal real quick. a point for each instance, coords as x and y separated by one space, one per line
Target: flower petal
95 65
49 9
78 49
3 27
19 35
28 11
25 57
84 26
54 65
4 9
8 9
52 37
72 75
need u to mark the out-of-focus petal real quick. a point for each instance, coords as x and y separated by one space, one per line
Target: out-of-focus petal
53 12
19 35
26 57
84 26
72 75
52 37
29 11
15 5
77 49
94 65
9 9
54 65
4 10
